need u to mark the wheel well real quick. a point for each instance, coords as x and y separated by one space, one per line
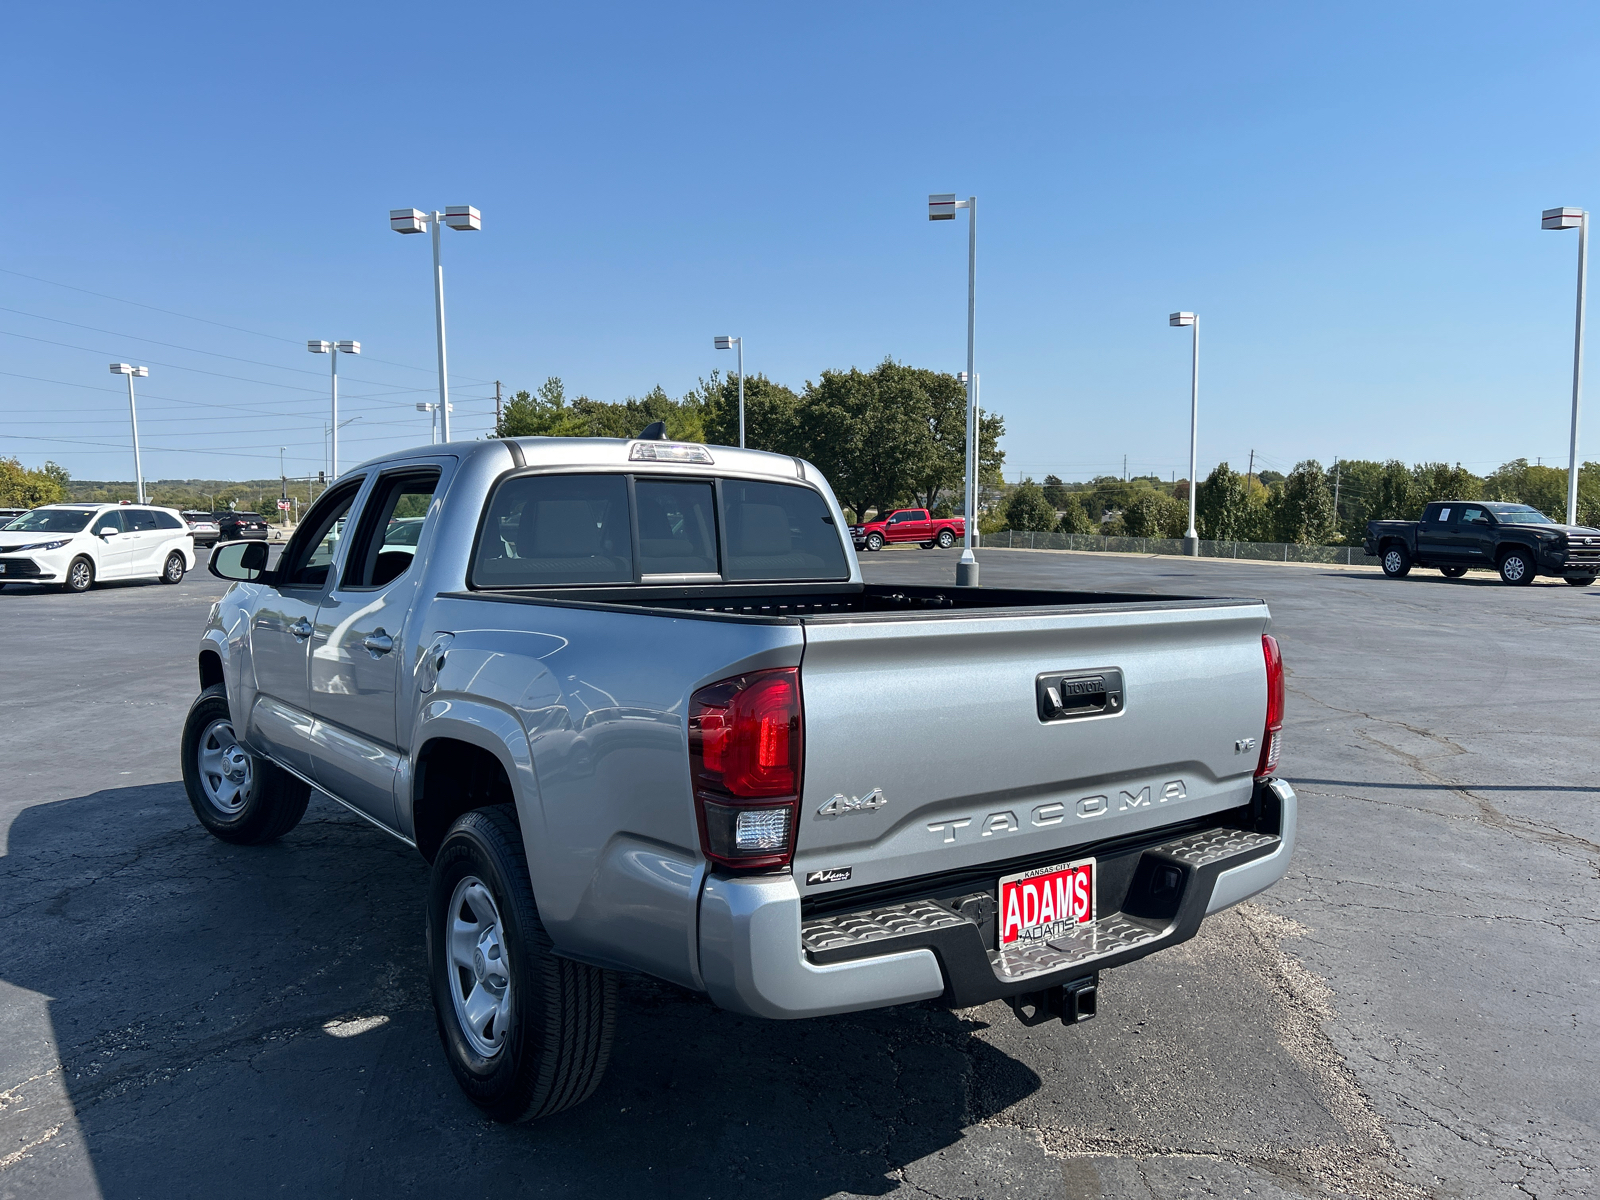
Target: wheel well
1391 543
210 669
1505 548
453 777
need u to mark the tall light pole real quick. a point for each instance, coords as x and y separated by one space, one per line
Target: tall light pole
943 207
1191 539
1573 218
728 343
431 407
335 349
462 217
133 416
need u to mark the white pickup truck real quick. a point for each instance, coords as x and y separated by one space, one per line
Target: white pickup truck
633 702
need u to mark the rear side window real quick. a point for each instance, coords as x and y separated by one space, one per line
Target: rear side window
780 531
139 520
168 521
556 529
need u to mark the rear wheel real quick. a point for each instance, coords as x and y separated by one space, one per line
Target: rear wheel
1396 562
1580 580
946 539
172 572
1516 567
1452 572
238 797
526 1033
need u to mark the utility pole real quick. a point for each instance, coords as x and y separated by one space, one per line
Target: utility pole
1251 470
1124 468
1335 491
497 417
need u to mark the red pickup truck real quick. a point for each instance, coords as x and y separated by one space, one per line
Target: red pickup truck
908 525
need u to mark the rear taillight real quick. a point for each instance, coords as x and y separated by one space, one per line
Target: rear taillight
745 756
1272 736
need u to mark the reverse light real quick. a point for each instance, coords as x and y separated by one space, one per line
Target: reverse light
1272 735
744 755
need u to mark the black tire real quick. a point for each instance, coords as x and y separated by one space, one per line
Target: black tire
874 542
946 539
551 1047
926 545
1580 580
267 805
1396 561
80 576
173 569
1452 572
1517 567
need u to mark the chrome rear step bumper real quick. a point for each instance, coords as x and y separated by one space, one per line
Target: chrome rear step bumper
1153 896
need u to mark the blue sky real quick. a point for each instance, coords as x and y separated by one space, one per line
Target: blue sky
1349 195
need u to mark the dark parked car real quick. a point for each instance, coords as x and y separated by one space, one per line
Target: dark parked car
237 526
1517 540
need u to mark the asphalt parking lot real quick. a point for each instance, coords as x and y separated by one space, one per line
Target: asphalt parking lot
1410 1013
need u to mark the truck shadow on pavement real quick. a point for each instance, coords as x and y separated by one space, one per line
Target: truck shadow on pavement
214 1020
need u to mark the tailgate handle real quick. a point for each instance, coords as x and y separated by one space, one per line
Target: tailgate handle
1066 695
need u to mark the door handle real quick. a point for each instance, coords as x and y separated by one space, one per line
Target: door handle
301 629
378 642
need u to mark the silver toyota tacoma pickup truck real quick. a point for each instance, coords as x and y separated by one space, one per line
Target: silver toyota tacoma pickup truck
634 703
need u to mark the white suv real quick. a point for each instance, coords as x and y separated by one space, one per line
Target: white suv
75 545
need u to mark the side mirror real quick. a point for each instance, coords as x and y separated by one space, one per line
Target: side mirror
242 562
109 531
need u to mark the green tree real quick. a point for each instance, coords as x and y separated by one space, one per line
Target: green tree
1055 491
543 413
1440 481
1302 509
1027 509
22 487
771 413
1153 514
1074 517
1223 507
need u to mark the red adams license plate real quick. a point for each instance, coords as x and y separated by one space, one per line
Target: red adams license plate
1046 903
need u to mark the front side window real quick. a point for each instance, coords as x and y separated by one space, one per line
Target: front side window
51 520
390 529
677 527
556 529
780 531
310 554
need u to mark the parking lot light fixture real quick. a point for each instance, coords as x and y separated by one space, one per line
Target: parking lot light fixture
728 343
1191 538
1573 218
431 407
334 349
465 219
133 416
942 207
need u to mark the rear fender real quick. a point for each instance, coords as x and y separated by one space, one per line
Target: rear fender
489 727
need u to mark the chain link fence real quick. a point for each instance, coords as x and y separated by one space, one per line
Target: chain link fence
1258 551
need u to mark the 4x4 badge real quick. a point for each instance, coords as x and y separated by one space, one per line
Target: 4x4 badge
841 804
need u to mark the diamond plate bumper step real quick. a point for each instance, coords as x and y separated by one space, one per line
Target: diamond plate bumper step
1160 890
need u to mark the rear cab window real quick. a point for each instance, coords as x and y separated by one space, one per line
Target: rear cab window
554 530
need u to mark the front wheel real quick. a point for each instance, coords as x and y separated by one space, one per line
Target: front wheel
1580 580
80 576
1516 568
946 539
172 572
1452 572
874 542
1396 562
526 1033
238 797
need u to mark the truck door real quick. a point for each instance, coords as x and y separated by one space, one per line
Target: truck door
357 647
917 526
1435 535
281 627
1473 535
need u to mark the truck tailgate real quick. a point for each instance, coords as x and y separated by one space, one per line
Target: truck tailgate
926 750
